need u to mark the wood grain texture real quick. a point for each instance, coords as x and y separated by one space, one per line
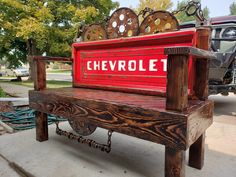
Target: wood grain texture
202 66
196 153
39 75
174 162
136 115
199 121
52 59
177 82
190 51
41 126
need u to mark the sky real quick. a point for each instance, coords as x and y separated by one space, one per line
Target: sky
216 7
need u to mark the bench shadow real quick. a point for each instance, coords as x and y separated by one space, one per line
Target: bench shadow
142 158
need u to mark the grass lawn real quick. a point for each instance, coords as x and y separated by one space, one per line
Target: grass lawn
50 83
2 93
59 71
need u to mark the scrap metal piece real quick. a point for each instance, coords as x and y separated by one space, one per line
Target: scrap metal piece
158 22
94 32
82 127
91 143
123 23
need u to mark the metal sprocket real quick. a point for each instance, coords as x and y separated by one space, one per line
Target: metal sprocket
82 127
158 22
123 23
94 32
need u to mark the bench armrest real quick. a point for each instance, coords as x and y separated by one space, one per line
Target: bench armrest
193 51
177 75
39 69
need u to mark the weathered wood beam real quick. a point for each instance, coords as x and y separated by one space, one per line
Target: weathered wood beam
174 162
201 86
177 82
192 51
52 59
196 153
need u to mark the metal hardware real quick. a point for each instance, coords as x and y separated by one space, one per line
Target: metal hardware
192 9
82 127
145 11
89 142
157 22
123 23
94 32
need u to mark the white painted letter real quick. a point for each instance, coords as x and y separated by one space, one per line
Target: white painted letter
164 61
132 65
104 65
121 65
152 65
141 66
96 65
112 65
88 65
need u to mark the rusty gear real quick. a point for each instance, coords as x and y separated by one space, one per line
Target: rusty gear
158 22
94 32
82 127
123 23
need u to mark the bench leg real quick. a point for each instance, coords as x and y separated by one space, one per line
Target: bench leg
41 126
196 153
174 162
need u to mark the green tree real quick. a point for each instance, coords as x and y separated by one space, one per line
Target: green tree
233 9
34 27
182 17
154 4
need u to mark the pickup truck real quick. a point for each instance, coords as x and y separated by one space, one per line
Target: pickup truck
222 73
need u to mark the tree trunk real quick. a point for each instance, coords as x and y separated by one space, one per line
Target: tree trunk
31 50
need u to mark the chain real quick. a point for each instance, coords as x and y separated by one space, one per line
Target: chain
188 9
145 11
89 142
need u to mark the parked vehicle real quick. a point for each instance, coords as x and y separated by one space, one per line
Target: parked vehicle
222 77
22 72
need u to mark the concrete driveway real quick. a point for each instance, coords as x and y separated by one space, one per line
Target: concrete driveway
130 157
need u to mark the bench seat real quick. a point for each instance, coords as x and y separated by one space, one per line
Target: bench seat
136 115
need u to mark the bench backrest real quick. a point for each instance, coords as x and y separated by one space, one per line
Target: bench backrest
135 64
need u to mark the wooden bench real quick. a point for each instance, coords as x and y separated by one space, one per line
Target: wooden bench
132 91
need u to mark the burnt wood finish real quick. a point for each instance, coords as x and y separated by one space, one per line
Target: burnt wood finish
132 114
41 126
196 153
176 121
174 162
202 66
177 82
40 75
195 52
40 84
52 59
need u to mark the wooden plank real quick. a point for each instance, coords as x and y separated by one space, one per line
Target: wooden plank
174 162
52 59
41 126
202 66
195 52
196 153
131 114
199 121
39 75
177 82
148 124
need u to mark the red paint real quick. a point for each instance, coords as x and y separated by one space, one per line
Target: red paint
128 63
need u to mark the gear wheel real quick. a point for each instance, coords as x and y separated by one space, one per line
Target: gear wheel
94 32
123 23
82 127
158 22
